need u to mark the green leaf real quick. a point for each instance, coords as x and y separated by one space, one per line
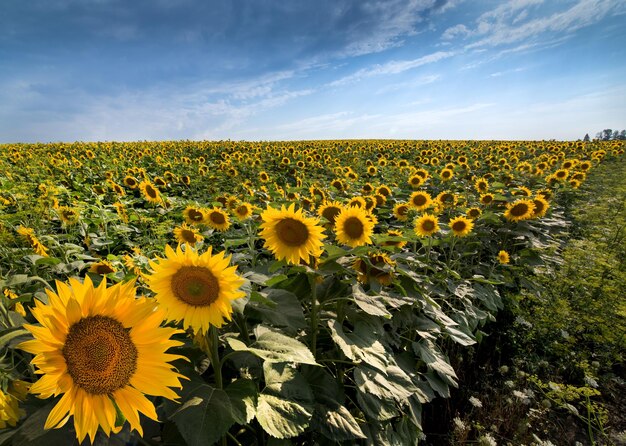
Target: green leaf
373 305
281 308
396 384
32 433
205 416
336 423
434 359
275 347
285 406
9 334
376 408
362 345
243 396
276 279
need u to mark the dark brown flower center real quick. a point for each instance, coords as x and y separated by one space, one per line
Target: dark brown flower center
292 232
100 355
419 200
217 218
330 213
459 226
428 225
519 209
353 227
195 286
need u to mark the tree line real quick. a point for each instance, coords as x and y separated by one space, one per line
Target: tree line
608 135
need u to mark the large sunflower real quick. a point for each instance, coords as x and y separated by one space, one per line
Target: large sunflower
149 192
195 288
519 210
426 225
461 226
103 349
291 235
401 211
193 215
354 226
541 206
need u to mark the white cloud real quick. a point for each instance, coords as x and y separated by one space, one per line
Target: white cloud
392 67
454 31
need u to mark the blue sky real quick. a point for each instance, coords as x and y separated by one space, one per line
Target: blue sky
96 70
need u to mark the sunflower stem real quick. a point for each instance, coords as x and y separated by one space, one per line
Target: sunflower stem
314 311
215 356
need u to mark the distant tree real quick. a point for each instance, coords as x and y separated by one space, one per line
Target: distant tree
607 134
586 138
622 135
615 135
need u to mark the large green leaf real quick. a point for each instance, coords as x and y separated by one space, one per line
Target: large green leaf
285 406
395 384
280 308
362 345
373 305
336 423
243 396
205 415
275 347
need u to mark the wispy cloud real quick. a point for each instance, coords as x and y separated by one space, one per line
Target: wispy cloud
392 67
408 85
505 72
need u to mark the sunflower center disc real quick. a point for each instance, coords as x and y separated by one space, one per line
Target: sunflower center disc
519 209
151 192
100 355
331 213
196 286
292 232
195 215
217 218
419 200
458 226
428 225
188 236
353 227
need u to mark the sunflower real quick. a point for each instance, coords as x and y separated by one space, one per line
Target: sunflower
358 202
446 174
68 215
447 198
378 266
188 235
149 192
519 210
195 288
384 190
420 200
461 226
103 349
503 257
415 181
354 226
264 177
487 199
291 235
29 235
394 233
193 215
481 185
426 225
10 412
401 211
131 182
367 188
541 206
102 267
119 190
243 211
217 219
473 213
329 210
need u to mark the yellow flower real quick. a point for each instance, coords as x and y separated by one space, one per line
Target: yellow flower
354 226
420 200
329 210
102 267
149 192
394 233
186 234
473 213
195 288
461 226
503 257
519 210
217 219
401 211
378 266
103 349
541 206
10 413
426 225
68 215
243 211
193 215
290 235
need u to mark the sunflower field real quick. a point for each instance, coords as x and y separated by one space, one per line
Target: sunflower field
266 293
